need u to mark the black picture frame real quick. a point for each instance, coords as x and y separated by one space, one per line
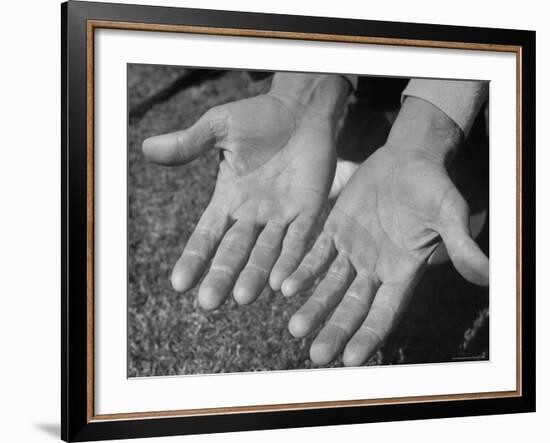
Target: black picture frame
77 424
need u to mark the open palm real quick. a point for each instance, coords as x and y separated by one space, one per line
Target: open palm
391 216
275 175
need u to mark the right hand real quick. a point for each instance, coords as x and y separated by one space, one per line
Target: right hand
396 209
277 169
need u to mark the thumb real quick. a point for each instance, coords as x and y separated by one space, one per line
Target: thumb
180 147
468 259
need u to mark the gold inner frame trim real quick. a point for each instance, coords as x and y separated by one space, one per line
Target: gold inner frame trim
96 24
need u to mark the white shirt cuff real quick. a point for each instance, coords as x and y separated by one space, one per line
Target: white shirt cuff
460 100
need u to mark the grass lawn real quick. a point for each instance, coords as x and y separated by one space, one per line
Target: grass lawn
169 334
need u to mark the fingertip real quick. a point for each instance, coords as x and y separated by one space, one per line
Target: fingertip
242 295
275 281
180 282
482 277
320 354
473 265
354 355
360 348
484 270
164 149
289 288
160 149
185 274
250 284
147 146
208 298
297 326
469 260
485 281
281 271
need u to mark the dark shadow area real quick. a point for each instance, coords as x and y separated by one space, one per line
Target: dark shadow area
192 77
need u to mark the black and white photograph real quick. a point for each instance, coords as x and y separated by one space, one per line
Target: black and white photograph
243 222
299 220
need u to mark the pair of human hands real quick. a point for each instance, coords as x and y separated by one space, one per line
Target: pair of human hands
277 170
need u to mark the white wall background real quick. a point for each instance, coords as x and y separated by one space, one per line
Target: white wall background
30 221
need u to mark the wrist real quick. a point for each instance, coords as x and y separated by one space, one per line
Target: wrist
322 94
423 128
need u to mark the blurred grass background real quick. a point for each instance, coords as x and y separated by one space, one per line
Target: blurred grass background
168 334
